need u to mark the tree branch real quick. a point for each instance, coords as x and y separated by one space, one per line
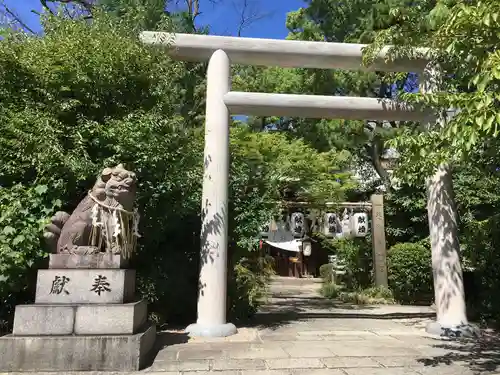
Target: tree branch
17 19
87 5
248 13
46 6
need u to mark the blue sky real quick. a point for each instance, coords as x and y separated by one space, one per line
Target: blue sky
223 19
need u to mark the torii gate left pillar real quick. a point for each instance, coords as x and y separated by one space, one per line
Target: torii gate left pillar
212 288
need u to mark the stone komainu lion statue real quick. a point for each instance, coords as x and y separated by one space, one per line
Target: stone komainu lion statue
105 220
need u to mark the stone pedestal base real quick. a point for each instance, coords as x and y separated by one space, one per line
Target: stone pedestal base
122 319
218 330
453 332
77 353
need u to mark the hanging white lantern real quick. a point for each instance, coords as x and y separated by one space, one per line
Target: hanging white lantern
306 248
298 224
359 224
331 225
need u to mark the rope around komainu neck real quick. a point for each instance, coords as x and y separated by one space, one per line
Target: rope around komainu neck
127 230
109 207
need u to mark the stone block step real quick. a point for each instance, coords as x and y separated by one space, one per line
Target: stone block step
77 353
111 319
101 260
68 286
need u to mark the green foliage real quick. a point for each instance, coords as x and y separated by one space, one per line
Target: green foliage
247 288
61 89
141 15
23 214
368 296
292 164
357 254
89 95
323 135
351 21
326 272
480 249
355 287
463 38
85 96
410 272
405 214
330 290
379 292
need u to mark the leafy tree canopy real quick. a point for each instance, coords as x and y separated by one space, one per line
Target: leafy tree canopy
86 95
462 38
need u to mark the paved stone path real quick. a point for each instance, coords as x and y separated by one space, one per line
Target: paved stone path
300 333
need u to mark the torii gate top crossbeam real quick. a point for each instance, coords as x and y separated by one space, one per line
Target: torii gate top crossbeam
274 52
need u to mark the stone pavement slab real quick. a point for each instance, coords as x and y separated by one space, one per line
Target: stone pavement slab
263 351
294 363
239 364
350 362
381 371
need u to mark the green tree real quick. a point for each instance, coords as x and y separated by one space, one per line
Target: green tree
88 95
326 20
462 38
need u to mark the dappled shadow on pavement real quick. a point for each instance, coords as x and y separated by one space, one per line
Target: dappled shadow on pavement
309 304
480 355
171 338
274 320
294 300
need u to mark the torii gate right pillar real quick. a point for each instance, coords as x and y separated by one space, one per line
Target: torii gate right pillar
451 317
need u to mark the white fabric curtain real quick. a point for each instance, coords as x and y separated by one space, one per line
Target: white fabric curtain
293 246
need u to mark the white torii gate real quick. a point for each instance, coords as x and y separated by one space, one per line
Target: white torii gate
221 102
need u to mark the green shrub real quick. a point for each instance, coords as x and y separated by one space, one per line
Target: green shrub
247 287
357 254
330 290
410 272
379 292
326 272
23 215
481 241
369 296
